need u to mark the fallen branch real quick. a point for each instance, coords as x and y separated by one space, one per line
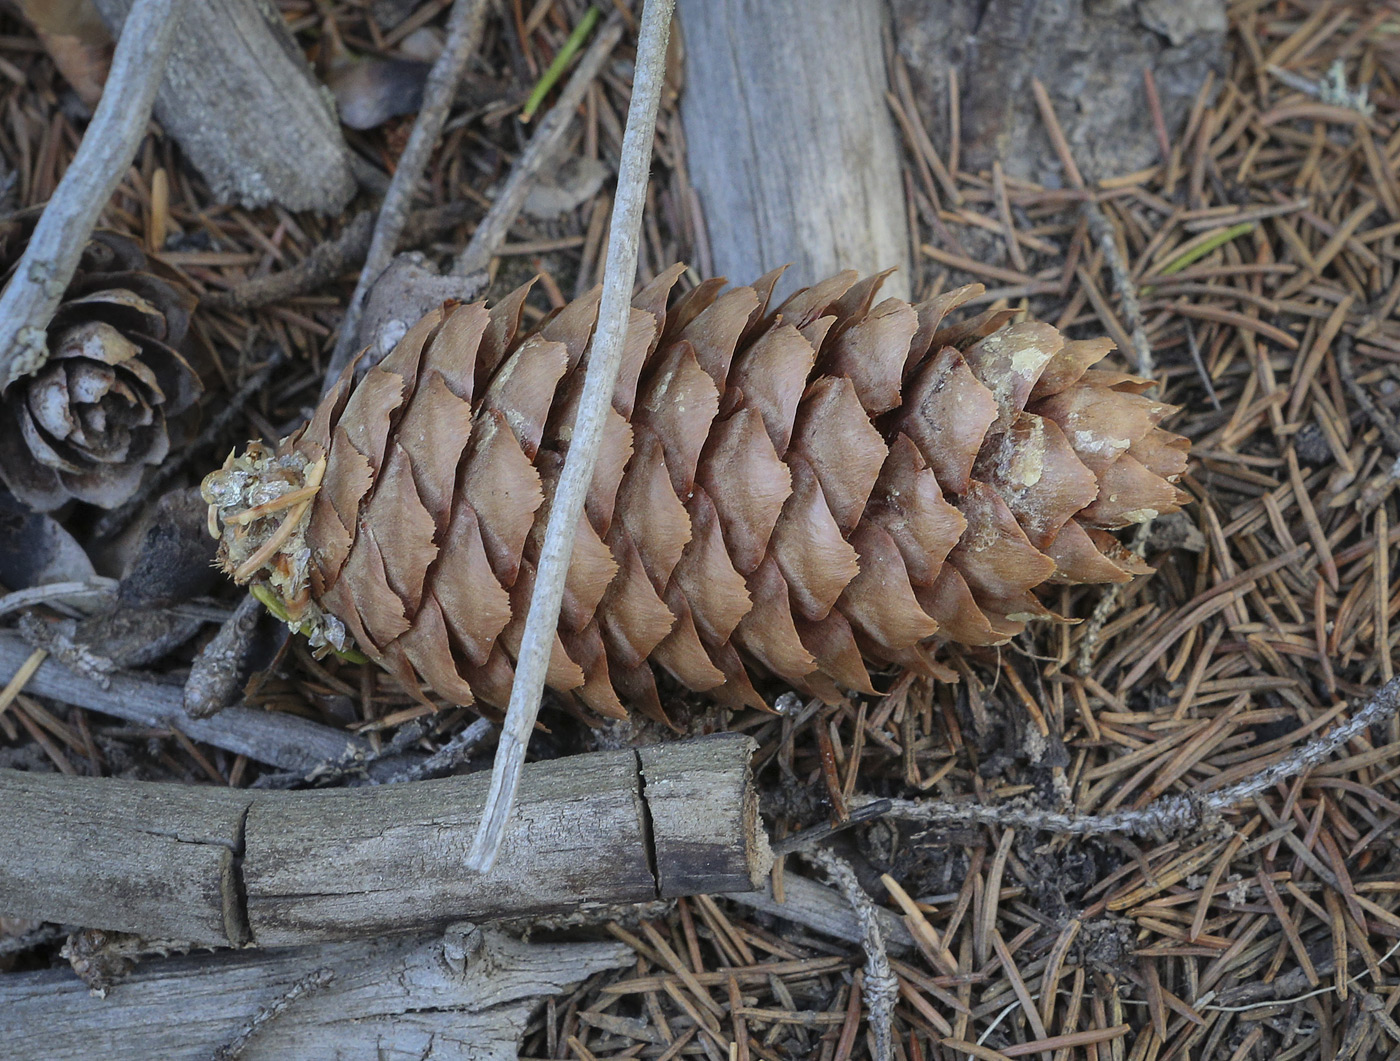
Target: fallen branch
494 227
230 867
51 256
1169 814
468 992
604 358
464 27
285 741
332 259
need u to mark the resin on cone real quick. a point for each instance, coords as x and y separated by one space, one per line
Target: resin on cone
795 492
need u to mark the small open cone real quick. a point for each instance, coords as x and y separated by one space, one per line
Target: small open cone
789 492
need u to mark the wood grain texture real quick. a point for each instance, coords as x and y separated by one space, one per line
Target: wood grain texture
790 143
218 866
692 792
246 109
465 996
337 863
128 855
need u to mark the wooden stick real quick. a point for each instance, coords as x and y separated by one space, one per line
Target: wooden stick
468 992
232 867
604 359
796 160
464 27
107 148
285 741
491 233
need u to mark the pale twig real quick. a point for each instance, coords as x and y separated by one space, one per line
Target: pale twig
52 254
605 356
1102 232
332 258
494 227
96 587
881 985
1169 814
464 27
449 755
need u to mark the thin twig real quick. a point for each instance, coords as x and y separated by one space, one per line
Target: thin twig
449 755
51 257
494 227
604 358
1102 232
881 985
464 28
213 682
1169 814
333 258
311 982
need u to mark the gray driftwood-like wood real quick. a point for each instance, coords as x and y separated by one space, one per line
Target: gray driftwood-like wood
465 996
790 144
284 741
246 109
824 910
224 867
122 853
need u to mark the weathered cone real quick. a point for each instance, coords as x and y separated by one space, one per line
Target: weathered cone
93 417
782 493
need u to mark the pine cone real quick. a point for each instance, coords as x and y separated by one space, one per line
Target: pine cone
88 422
785 493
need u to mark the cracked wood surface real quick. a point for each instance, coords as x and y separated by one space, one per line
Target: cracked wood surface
463 996
228 867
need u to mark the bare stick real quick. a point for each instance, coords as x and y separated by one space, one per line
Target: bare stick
491 233
463 35
603 360
332 259
108 147
1102 232
1170 814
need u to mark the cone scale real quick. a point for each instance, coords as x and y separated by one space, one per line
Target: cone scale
797 492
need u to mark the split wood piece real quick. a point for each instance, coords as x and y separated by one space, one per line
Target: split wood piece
223 867
285 741
246 109
465 995
794 160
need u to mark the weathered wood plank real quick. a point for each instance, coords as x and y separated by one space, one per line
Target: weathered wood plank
463 997
790 144
219 866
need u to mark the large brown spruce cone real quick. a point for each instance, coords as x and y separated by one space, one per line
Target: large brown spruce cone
90 420
780 493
